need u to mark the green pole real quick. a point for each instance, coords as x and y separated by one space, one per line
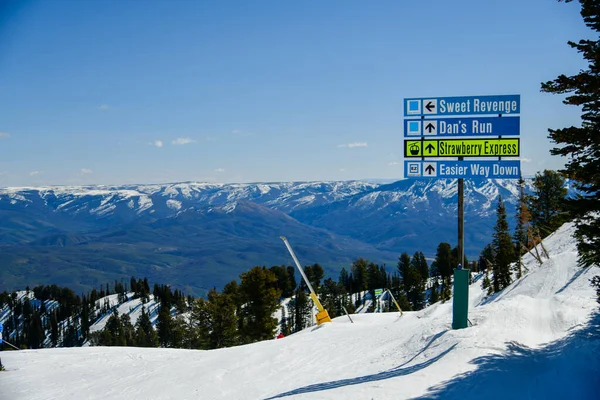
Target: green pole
460 300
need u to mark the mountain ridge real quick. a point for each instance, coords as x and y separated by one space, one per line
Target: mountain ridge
204 234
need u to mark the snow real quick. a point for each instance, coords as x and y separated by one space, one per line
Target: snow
174 204
132 307
539 338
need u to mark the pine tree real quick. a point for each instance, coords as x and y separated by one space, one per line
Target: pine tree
127 331
144 332
300 310
547 204
314 274
503 249
215 321
260 297
35 336
443 263
164 327
521 228
359 275
582 144
403 267
434 296
54 329
344 279
420 262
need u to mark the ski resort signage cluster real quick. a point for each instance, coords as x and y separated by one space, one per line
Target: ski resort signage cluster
462 136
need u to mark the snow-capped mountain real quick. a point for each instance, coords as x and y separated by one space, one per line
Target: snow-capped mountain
204 234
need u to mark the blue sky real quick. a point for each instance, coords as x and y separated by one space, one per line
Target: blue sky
113 92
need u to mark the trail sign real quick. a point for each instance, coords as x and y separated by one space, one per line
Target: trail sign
474 126
461 148
464 105
507 169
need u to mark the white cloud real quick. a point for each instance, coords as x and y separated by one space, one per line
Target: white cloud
342 169
182 141
34 173
237 131
393 163
85 171
4 134
219 170
103 107
157 143
353 144
525 160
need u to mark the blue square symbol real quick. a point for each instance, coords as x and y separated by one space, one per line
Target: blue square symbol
414 127
414 106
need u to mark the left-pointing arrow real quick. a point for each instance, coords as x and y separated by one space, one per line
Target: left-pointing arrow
430 106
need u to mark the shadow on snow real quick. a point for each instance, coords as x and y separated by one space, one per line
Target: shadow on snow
391 373
565 369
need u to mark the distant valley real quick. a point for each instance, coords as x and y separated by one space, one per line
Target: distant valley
199 235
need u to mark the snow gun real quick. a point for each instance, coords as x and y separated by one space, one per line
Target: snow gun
322 315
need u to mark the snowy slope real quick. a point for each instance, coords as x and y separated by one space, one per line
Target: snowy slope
534 340
132 307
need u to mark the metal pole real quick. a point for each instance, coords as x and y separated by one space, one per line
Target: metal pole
395 302
297 264
322 315
14 347
461 220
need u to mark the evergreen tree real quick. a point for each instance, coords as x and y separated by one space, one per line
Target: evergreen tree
314 274
443 263
35 335
359 275
332 297
547 204
127 331
415 288
144 332
54 329
164 327
344 279
283 280
215 320
420 263
582 144
522 219
434 296
403 267
503 249
180 335
301 311
260 299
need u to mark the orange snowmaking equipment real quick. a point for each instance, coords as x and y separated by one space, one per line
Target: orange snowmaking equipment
322 315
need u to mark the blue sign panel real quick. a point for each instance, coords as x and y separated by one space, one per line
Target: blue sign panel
506 169
0 333
464 105
477 126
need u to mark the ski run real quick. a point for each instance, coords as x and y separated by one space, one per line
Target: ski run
531 341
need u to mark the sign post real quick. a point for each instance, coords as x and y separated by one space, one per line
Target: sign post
473 127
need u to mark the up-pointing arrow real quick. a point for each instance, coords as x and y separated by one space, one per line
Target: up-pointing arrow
430 106
430 127
430 169
429 148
